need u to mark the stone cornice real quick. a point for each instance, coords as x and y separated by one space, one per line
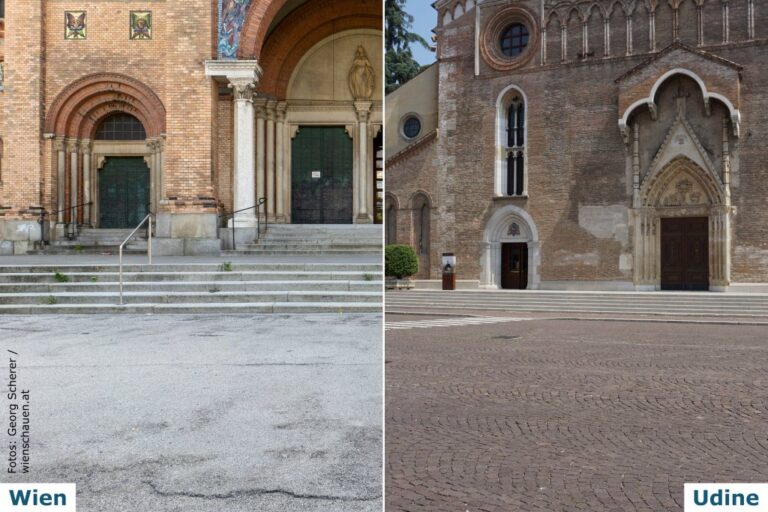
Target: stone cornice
405 152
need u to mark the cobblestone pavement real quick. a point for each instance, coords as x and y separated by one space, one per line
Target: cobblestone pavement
562 416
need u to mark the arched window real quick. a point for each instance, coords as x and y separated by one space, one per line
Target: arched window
421 225
511 168
390 219
121 127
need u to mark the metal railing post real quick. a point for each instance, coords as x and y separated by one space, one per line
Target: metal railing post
121 274
148 219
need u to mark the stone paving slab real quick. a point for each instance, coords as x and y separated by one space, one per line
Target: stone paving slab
204 413
564 416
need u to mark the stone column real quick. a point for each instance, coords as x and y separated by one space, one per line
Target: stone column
270 158
281 172
151 160
261 175
73 148
59 145
647 250
85 150
243 183
363 109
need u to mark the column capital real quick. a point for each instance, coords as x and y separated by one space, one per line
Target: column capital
59 143
363 106
73 145
85 146
261 107
282 111
271 110
244 89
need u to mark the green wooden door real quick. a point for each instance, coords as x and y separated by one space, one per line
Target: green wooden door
321 162
123 192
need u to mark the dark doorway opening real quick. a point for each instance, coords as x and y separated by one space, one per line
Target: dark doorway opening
514 266
685 254
123 192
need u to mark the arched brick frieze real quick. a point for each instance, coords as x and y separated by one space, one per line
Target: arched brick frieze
78 109
303 29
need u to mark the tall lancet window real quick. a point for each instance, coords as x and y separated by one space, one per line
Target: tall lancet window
515 148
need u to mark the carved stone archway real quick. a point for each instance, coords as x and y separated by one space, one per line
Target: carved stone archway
71 125
681 189
510 224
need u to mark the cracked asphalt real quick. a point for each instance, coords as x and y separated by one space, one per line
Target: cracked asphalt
201 413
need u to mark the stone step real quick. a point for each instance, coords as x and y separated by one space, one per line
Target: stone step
741 302
684 304
207 308
191 286
196 267
164 297
170 277
303 251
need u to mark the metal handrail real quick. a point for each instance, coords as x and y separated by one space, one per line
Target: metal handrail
149 247
45 213
261 201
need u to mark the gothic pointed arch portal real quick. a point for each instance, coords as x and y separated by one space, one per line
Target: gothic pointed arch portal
681 194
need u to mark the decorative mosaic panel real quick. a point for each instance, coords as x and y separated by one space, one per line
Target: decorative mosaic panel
231 18
75 25
141 25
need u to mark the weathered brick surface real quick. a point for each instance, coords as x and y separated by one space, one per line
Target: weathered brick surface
576 155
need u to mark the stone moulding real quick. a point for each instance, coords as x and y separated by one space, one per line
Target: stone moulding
79 108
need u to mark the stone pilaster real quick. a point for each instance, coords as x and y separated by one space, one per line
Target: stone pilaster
282 175
363 109
271 116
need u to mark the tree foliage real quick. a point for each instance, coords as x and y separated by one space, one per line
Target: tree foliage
401 66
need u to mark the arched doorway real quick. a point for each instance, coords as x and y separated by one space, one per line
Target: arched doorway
682 230
108 126
511 251
122 176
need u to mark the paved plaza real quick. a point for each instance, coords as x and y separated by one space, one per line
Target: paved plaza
196 413
559 416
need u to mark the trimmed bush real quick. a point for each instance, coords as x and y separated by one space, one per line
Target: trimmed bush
400 261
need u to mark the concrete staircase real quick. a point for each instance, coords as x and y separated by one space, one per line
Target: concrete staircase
316 239
98 241
192 288
662 304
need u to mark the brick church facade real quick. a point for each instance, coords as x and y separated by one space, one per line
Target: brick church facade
605 145
191 110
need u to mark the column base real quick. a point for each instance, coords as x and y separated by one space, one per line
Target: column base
363 219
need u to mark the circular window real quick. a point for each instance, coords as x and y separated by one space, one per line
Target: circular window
509 39
514 40
412 127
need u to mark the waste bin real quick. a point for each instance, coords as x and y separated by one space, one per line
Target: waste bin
449 271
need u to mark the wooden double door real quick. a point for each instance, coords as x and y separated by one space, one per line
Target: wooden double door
514 266
685 254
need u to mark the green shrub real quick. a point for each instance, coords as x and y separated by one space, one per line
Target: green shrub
400 261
